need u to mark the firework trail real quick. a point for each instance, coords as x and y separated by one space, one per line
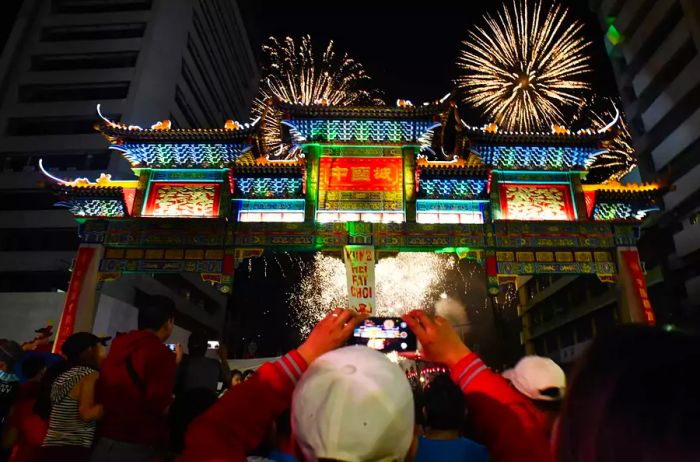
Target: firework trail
295 73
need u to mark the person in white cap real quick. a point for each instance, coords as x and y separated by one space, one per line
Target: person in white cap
544 383
354 405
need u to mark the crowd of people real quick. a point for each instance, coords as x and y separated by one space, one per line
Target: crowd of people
631 397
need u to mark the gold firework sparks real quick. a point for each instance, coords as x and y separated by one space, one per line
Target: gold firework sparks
524 66
403 283
620 159
295 73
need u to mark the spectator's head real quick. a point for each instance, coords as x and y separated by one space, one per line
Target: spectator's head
197 345
158 315
236 377
10 353
633 396
33 368
85 349
538 378
353 404
247 374
443 404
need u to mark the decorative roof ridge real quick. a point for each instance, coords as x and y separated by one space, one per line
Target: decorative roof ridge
456 162
558 133
104 181
389 112
162 130
614 186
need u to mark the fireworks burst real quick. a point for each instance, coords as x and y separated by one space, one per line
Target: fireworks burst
405 282
523 66
620 158
295 73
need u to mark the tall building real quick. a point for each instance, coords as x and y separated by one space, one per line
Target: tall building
188 61
561 314
654 47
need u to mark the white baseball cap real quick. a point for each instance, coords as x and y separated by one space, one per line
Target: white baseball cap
354 405
534 375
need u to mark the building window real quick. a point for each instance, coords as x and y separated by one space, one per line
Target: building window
94 159
73 92
27 200
92 32
98 6
34 281
185 108
84 61
66 125
50 239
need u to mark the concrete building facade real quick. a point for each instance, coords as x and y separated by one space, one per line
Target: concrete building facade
654 47
188 61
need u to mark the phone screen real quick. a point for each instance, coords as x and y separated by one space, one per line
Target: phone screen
213 344
172 346
385 334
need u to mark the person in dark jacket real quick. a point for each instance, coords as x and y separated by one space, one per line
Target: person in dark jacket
198 371
136 388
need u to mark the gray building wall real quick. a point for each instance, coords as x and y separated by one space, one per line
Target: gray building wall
657 66
189 61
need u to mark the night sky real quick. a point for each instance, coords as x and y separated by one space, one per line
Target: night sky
408 48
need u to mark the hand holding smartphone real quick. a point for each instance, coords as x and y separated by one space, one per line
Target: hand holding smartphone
385 334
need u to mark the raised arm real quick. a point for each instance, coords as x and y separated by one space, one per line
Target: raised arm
504 420
239 421
88 410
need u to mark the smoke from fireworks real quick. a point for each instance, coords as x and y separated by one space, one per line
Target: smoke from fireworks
524 66
405 282
295 73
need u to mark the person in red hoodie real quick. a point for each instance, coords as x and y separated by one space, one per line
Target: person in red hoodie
26 429
136 388
506 421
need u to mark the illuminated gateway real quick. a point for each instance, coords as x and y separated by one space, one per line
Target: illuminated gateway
405 178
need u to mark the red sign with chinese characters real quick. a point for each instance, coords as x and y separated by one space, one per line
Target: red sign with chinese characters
536 202
183 200
70 309
383 174
631 258
370 184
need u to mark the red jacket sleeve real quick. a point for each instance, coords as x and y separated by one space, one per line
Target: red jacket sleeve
160 370
238 422
504 420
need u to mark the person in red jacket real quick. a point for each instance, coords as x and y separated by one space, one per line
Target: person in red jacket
136 388
507 422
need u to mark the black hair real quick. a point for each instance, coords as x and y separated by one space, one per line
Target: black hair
32 366
247 373
197 345
444 404
236 372
633 396
155 312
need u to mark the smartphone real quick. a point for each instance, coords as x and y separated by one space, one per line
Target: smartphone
213 344
385 334
172 346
